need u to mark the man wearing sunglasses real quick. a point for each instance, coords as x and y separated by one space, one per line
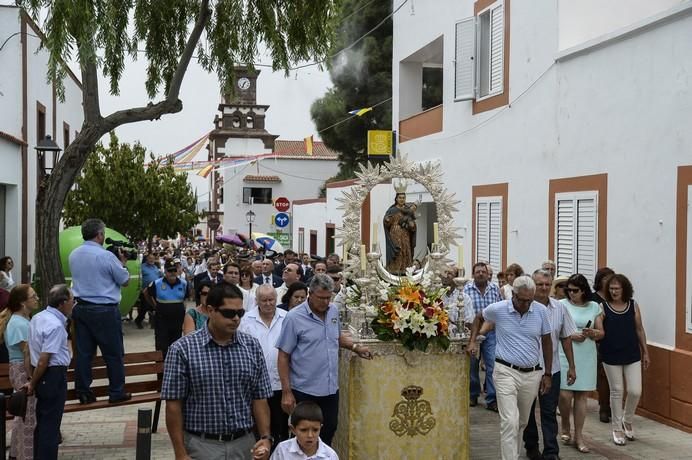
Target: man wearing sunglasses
216 385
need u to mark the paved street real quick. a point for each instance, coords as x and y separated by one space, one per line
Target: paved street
111 433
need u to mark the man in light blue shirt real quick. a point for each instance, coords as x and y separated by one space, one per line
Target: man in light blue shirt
97 276
523 330
150 273
309 354
50 357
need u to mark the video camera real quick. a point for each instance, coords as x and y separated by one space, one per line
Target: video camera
124 247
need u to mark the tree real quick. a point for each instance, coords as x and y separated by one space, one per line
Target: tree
135 200
362 77
99 34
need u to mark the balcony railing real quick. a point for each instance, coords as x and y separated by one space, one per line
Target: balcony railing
421 124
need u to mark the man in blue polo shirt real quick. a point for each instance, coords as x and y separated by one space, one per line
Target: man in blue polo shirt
309 354
150 273
168 294
97 276
522 329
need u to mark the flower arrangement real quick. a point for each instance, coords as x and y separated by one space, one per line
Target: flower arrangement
414 314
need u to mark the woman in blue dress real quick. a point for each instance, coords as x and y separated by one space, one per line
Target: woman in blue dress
588 317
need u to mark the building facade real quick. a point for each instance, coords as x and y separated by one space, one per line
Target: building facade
29 110
563 130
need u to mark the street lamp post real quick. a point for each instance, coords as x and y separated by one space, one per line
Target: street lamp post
46 145
250 216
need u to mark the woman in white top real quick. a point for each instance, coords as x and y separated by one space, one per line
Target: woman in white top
14 329
511 273
6 281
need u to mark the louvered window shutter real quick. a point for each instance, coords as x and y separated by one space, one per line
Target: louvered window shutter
586 237
489 231
464 60
495 239
482 231
497 39
576 235
564 236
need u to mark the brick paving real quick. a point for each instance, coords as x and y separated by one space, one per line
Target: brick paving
110 434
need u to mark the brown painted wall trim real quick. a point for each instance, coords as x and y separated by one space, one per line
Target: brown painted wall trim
365 222
310 201
11 138
479 191
683 340
501 99
342 183
421 124
597 183
25 267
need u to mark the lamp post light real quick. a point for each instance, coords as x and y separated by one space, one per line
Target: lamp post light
46 145
250 216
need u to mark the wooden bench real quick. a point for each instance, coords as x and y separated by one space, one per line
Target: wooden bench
143 377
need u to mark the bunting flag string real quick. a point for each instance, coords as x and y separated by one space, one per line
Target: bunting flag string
360 112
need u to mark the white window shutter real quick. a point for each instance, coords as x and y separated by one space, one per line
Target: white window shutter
482 231
564 237
586 237
497 39
464 60
495 235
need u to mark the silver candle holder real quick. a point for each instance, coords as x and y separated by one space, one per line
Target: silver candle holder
460 282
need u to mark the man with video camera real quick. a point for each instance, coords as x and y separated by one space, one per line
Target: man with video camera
97 276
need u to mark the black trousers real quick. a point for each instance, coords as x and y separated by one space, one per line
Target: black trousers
168 327
278 419
330 411
51 393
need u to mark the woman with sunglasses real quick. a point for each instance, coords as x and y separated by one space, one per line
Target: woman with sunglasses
588 318
14 329
246 280
624 354
197 316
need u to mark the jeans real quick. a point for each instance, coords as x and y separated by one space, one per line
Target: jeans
99 325
487 350
330 412
548 403
51 393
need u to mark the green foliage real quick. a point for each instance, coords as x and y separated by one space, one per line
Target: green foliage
106 31
362 77
138 202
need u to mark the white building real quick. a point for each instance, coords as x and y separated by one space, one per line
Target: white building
29 110
291 172
564 130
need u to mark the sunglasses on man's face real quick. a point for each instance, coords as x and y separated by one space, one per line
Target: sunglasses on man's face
230 314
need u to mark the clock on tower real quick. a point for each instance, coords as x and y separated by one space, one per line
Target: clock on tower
244 83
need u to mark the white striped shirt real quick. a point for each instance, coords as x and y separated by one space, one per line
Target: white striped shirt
561 326
518 336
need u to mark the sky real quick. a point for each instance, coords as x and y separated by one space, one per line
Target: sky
288 116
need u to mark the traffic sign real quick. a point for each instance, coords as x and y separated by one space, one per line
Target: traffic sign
282 204
281 219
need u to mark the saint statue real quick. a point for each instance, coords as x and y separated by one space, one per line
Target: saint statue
400 232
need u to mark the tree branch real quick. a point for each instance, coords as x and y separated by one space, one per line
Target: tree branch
193 39
90 92
171 104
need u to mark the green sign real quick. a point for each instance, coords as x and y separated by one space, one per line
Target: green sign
283 238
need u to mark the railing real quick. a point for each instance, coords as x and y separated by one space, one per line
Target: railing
421 124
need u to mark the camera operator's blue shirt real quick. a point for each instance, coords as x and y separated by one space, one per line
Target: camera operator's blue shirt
97 274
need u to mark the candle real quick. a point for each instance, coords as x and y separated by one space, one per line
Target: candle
374 237
362 257
460 261
345 254
436 232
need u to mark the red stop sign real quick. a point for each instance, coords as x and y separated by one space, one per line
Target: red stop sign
282 204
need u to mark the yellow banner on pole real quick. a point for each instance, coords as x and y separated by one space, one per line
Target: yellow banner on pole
380 143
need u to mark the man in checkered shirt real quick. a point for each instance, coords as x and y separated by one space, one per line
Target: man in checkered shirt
483 292
216 385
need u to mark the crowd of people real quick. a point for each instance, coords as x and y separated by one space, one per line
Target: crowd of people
546 339
256 358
